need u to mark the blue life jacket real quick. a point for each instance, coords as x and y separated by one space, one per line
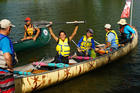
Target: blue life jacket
12 49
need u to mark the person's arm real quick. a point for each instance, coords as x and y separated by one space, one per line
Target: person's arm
52 34
74 33
108 42
37 34
25 31
80 41
8 59
6 49
107 45
93 44
131 30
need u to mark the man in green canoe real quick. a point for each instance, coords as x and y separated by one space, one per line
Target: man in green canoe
62 48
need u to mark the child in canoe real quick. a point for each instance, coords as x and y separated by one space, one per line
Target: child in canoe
31 31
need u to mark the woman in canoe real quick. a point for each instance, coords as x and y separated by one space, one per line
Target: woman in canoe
31 31
62 48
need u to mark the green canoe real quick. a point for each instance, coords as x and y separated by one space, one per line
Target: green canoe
42 40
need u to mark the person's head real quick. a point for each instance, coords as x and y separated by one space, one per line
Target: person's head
122 22
107 27
28 20
89 32
62 35
5 26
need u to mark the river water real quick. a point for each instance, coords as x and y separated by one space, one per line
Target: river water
122 76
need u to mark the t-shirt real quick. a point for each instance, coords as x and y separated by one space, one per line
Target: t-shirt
111 39
5 45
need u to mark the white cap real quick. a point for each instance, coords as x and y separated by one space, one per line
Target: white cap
5 23
108 26
122 22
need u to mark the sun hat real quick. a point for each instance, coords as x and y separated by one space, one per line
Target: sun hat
5 23
90 30
108 26
28 19
122 22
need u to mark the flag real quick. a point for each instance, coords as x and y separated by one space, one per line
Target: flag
126 10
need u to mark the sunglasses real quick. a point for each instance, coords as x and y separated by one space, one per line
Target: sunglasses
26 20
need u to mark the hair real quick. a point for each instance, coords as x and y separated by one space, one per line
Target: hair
61 31
3 28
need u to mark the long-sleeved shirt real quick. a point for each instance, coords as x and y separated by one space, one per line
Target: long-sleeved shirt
92 41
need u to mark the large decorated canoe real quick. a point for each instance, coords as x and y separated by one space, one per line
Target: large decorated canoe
42 40
38 81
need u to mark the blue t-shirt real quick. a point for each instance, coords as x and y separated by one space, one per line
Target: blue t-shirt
111 40
92 41
5 45
128 30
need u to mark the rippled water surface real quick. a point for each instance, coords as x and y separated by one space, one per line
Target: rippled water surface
122 76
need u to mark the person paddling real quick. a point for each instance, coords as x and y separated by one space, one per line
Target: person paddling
30 30
62 48
86 45
126 30
111 41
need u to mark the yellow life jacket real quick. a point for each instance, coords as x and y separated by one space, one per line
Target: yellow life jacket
63 48
116 36
30 30
86 43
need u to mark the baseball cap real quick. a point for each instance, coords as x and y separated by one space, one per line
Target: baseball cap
90 30
28 19
6 23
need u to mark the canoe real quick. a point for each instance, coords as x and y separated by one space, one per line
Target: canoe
28 83
42 40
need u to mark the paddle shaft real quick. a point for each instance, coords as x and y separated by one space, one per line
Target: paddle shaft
48 22
38 64
97 42
78 47
75 43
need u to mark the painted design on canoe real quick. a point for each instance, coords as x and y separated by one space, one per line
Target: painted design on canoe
67 73
35 83
80 70
92 65
28 81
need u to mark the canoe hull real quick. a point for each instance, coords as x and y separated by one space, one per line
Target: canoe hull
42 40
39 81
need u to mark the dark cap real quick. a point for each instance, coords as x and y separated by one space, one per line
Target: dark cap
90 30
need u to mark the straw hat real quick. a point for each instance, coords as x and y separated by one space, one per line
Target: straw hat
122 22
108 26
